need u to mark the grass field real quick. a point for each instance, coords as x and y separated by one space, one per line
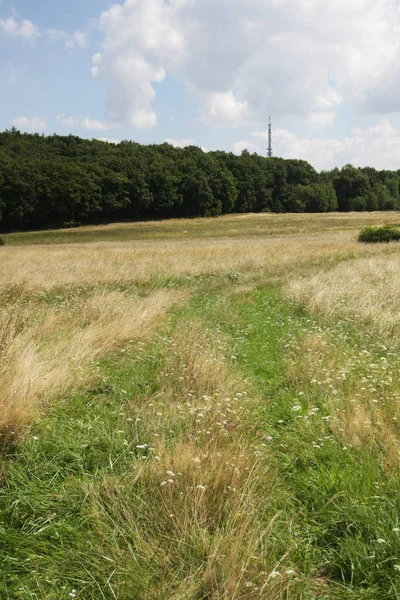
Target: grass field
202 409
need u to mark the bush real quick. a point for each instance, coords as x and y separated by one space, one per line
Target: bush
2 242
385 233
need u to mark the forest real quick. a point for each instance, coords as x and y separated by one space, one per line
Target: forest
64 181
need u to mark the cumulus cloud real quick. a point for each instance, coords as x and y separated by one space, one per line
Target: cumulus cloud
23 29
66 120
108 140
238 147
141 42
85 122
56 35
35 124
180 143
377 146
88 123
322 153
77 39
223 107
244 60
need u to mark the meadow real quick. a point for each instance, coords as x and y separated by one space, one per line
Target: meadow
201 409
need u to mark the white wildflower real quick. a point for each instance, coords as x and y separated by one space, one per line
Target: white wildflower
290 572
274 574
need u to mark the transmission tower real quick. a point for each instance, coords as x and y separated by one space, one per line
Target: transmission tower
269 152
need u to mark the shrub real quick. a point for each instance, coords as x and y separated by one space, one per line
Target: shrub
2 242
385 233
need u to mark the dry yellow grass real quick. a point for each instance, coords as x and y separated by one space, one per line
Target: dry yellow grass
361 389
365 291
196 510
238 225
46 351
118 262
191 517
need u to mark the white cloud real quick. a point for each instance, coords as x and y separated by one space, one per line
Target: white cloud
66 120
141 41
244 60
85 122
377 146
88 123
238 147
108 140
55 35
128 78
322 153
77 39
23 29
180 143
35 124
224 107
27 30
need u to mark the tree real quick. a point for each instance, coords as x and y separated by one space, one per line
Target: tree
371 200
358 203
300 172
198 200
318 197
350 183
385 200
59 180
392 185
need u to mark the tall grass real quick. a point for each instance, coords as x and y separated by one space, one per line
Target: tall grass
365 291
48 351
242 446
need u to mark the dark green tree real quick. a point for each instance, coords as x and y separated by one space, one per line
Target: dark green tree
350 183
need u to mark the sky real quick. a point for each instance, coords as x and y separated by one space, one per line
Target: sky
209 73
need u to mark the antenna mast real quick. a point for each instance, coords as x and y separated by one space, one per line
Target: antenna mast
269 152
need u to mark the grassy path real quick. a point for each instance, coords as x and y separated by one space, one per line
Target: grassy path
206 465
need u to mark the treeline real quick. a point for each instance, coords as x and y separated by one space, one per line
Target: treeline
65 180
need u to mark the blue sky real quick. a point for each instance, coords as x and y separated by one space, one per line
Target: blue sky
209 72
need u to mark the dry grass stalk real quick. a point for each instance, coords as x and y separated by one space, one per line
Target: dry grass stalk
46 352
362 392
366 290
143 261
198 518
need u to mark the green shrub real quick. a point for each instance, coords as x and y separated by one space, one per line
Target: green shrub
2 242
385 233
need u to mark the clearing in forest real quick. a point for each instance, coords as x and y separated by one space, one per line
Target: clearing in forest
201 409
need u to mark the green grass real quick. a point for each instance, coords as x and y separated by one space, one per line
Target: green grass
228 226
331 504
345 499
